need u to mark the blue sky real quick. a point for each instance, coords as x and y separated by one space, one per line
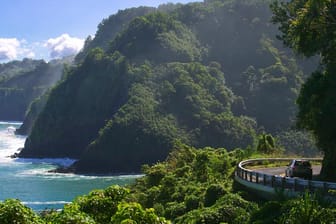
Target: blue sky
53 28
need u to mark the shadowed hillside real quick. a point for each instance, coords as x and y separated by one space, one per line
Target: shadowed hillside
205 74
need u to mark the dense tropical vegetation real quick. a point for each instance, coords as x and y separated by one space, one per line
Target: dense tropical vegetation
309 28
198 87
191 186
209 75
205 74
23 81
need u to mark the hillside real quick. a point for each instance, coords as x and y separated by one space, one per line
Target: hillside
109 28
22 81
204 74
14 68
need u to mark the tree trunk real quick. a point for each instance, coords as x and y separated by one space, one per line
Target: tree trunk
328 171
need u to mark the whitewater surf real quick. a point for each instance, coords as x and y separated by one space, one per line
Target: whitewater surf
29 180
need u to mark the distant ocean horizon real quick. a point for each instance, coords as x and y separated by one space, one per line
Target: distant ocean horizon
29 180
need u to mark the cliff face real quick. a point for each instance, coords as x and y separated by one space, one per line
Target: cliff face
161 81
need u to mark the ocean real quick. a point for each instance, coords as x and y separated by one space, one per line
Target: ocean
29 180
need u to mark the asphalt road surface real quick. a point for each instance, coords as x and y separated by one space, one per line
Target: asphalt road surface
281 170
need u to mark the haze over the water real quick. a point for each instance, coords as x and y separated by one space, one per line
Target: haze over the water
52 29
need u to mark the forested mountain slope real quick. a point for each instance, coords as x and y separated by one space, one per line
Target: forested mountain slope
109 28
22 81
13 68
205 74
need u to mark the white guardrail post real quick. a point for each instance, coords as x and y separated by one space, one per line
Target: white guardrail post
262 182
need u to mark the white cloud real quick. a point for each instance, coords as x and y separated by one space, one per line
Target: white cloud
64 45
26 53
16 49
11 48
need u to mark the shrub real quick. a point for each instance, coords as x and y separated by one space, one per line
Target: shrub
213 192
12 211
134 213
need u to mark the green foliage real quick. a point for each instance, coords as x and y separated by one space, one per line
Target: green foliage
178 192
268 213
174 209
103 207
192 202
23 81
298 143
161 80
317 113
270 91
150 82
306 210
187 181
212 193
256 65
80 95
308 27
70 214
133 213
157 37
34 109
176 101
231 208
102 204
109 28
266 144
12 211
15 68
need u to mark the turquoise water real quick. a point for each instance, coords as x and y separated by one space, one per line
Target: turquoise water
29 181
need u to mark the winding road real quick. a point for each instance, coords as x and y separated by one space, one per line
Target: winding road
281 170
266 182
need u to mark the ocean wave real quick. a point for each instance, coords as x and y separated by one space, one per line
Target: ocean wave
45 174
45 202
130 176
10 122
9 145
58 161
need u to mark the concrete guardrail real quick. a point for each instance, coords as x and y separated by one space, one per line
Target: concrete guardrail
267 186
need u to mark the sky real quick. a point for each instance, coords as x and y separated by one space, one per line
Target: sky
48 29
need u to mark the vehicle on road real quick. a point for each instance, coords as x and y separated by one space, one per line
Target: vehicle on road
299 168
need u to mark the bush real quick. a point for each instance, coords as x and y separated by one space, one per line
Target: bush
12 211
69 215
306 210
174 209
128 213
192 202
268 213
102 204
213 192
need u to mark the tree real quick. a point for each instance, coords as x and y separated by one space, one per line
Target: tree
317 112
266 143
131 213
309 27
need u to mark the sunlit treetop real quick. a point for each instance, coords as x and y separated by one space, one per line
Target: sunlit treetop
308 26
